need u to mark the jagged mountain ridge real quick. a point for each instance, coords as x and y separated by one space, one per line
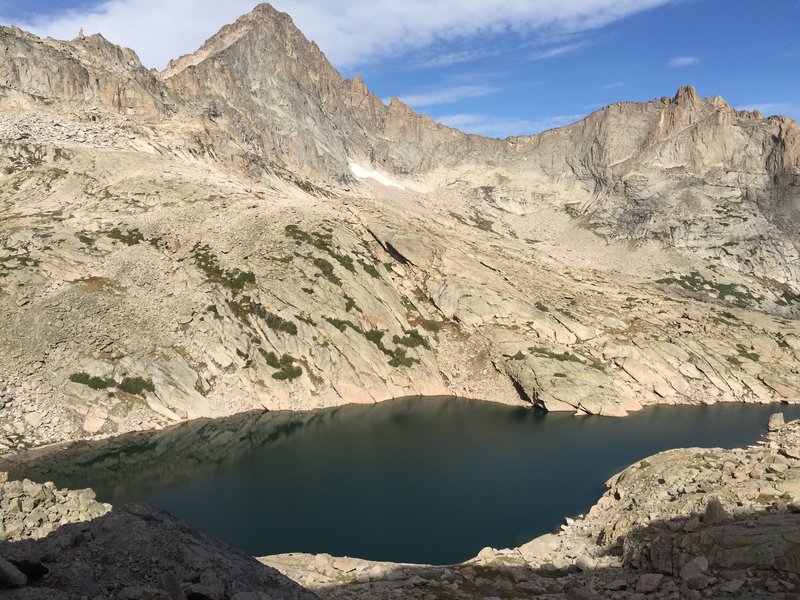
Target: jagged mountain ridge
248 229
274 96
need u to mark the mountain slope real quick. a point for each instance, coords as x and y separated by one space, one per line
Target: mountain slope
249 230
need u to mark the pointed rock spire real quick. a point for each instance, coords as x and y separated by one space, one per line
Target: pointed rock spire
686 94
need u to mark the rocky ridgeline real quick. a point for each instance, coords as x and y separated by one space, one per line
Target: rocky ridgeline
683 524
34 510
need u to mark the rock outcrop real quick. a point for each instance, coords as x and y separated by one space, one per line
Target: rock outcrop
249 230
63 545
34 510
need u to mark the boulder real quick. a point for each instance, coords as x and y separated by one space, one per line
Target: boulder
11 576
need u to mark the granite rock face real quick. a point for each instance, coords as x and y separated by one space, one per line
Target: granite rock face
249 230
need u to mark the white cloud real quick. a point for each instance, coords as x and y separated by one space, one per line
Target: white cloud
502 127
683 61
447 95
350 32
616 84
557 51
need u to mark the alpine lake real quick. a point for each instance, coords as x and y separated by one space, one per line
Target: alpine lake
424 480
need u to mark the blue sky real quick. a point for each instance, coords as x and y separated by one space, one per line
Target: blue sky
494 67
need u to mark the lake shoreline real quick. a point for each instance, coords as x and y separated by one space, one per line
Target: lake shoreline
363 460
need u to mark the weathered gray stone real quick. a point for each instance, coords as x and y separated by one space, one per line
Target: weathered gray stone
649 583
695 566
775 422
11 576
715 512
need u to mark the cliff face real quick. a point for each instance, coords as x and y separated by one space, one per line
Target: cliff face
250 230
86 70
279 94
689 172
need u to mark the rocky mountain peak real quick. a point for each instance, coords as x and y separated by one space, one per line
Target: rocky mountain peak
686 94
263 20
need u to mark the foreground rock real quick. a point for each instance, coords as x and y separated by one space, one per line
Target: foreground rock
34 510
71 547
688 523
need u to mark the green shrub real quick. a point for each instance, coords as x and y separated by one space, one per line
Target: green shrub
277 323
136 386
326 268
694 282
345 261
375 336
399 358
286 369
288 373
95 383
350 304
734 360
370 269
341 324
745 353
130 237
563 356
273 361
412 339
235 279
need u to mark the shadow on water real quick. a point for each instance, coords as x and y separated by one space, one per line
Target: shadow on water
427 480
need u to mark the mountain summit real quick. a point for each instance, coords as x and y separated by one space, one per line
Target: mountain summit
250 230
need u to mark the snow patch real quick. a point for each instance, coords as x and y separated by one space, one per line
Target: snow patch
364 173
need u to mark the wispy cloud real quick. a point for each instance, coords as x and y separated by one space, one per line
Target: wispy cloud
447 59
616 84
771 108
503 127
683 61
351 33
557 51
447 95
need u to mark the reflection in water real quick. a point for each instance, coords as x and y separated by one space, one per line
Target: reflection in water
420 480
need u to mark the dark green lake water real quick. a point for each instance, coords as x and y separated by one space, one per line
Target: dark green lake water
429 480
